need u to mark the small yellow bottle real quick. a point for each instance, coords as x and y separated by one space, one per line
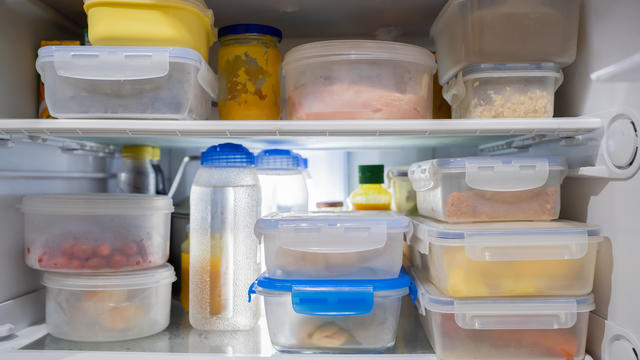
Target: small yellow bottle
184 273
370 195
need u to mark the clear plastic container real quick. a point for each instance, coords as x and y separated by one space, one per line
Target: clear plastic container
282 183
489 188
553 328
121 82
490 91
325 316
108 307
358 80
404 197
333 245
542 258
96 232
470 32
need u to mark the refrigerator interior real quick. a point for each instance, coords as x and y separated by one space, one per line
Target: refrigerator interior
597 109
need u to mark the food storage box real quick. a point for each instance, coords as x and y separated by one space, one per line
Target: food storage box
357 80
182 23
108 307
403 196
96 232
544 258
523 90
333 244
470 32
489 188
504 328
126 82
333 315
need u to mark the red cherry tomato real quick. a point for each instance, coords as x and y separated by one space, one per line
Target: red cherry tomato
103 249
42 259
77 264
96 263
135 260
130 248
67 248
117 261
59 262
82 251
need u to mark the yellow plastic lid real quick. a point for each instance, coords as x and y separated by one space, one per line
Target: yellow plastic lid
137 152
156 154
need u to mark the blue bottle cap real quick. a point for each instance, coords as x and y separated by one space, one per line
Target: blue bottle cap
278 159
239 29
227 155
305 163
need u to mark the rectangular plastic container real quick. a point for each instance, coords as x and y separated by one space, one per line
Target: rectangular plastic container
96 232
403 195
475 189
333 245
358 80
333 316
108 307
543 258
490 91
504 328
470 32
127 82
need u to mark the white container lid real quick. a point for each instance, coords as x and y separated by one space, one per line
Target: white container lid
489 173
504 312
113 281
336 50
508 241
332 231
96 204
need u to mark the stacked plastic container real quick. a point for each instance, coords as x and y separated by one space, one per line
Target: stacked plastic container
498 276
334 280
104 257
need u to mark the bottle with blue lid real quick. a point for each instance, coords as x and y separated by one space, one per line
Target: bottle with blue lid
282 181
225 203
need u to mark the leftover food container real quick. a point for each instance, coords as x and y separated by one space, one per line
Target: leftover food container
181 23
489 188
504 91
333 244
470 32
333 315
553 328
403 196
127 82
357 80
108 307
96 232
542 258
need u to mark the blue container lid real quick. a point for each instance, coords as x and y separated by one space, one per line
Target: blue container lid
279 159
305 163
239 29
334 297
227 155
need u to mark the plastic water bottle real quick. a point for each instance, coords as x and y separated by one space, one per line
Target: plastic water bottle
282 181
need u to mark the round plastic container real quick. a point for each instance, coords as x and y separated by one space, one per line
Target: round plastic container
96 232
521 90
282 183
108 307
357 80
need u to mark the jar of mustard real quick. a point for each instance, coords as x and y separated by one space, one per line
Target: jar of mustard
248 72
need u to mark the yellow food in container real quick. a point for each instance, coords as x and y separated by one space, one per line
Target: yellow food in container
180 23
248 70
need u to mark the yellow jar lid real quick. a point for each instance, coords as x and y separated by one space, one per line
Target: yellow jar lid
137 152
156 154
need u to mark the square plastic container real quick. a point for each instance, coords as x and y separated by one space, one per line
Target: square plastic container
358 80
108 307
543 258
504 328
333 316
96 232
475 189
127 82
504 91
333 245
470 32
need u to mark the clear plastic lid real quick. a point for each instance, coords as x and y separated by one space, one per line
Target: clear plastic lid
337 50
279 159
513 69
96 204
113 281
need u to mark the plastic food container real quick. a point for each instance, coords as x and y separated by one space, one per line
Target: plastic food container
182 23
504 90
504 328
126 82
333 315
489 188
403 195
497 31
333 244
543 258
96 232
108 307
357 80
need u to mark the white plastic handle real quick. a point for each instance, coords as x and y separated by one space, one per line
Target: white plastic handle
454 91
493 175
340 238
421 176
111 65
208 80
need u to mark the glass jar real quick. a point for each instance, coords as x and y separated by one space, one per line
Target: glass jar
136 174
248 72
